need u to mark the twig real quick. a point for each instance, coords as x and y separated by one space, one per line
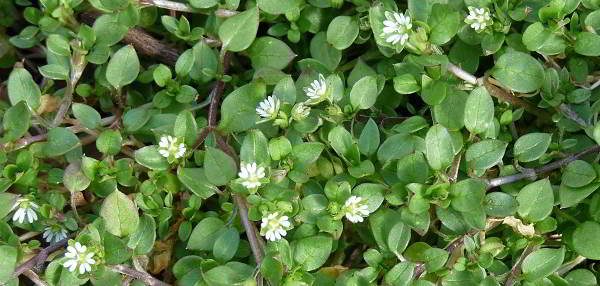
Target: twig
570 265
24 142
572 115
78 64
39 258
462 74
143 42
453 173
532 174
169 5
144 277
256 244
503 95
420 268
34 278
29 235
516 269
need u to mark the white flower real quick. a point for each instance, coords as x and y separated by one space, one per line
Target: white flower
300 111
54 233
356 209
397 27
251 174
317 90
274 226
25 208
169 147
268 108
479 18
79 256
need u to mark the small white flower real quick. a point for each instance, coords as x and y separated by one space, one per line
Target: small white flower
317 90
25 208
251 175
268 108
54 233
300 111
79 257
169 147
356 209
479 18
397 27
274 227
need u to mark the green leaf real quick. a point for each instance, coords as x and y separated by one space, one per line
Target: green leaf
218 167
479 111
500 204
150 158
364 93
142 240
239 108
581 277
587 44
123 67
344 144
368 142
519 72
307 153
542 263
439 148
58 44
109 142
435 92
226 245
400 275
485 154
406 84
342 31
55 71
60 141
8 262
531 146
238 32
312 252
276 7
569 196
120 214
413 168
255 148
16 121
186 128
585 240
203 4
467 195
205 234
87 115
324 52
232 273
578 174
536 200
268 52
74 179
444 22
195 180
21 87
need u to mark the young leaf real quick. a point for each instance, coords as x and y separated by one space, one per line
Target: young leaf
440 151
479 111
21 87
536 200
120 214
123 67
238 32
218 167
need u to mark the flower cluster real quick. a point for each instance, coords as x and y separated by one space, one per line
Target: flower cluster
79 256
356 209
251 175
170 147
25 208
397 27
274 226
479 18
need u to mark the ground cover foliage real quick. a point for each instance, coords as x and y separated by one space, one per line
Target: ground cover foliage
299 142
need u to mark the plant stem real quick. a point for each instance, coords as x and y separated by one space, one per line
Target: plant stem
39 258
169 5
462 74
144 277
516 269
34 278
532 174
